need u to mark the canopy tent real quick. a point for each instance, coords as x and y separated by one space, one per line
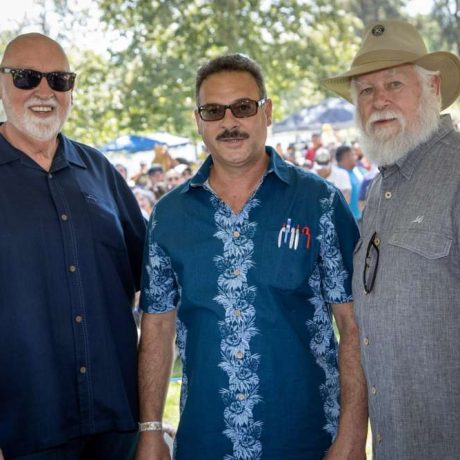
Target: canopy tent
333 111
132 143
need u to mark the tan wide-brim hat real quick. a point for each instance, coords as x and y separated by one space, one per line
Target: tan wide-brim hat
392 43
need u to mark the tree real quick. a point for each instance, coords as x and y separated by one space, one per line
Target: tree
295 42
447 15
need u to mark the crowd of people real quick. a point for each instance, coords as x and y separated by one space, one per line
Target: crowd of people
244 266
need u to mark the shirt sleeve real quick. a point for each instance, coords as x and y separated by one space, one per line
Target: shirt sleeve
339 235
159 290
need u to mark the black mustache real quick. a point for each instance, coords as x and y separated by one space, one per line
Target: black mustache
234 134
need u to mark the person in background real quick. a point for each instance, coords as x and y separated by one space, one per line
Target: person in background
246 263
347 161
172 178
157 183
140 179
315 144
122 170
324 167
71 239
407 269
145 200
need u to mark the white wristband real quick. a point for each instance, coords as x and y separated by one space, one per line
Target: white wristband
150 426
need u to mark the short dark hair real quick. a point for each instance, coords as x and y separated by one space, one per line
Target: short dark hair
154 169
236 62
341 151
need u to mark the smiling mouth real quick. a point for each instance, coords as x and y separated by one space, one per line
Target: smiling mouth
41 108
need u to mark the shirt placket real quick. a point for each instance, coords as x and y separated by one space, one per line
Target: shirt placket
57 188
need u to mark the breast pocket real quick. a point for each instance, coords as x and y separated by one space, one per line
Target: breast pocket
286 267
105 223
427 244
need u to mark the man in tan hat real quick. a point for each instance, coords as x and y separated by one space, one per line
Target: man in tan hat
406 282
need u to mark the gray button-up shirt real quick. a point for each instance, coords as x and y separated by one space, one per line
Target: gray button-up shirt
410 321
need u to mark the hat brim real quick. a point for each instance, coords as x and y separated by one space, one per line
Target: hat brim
448 64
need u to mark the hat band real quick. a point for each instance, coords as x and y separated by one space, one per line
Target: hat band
385 55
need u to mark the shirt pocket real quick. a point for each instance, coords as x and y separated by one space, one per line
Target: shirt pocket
287 268
427 244
105 223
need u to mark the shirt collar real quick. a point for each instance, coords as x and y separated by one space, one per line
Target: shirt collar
408 162
276 165
65 153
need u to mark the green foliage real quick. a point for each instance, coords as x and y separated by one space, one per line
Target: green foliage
295 42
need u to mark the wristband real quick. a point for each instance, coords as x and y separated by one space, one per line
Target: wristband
150 426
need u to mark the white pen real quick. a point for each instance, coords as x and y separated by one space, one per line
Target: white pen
288 229
291 239
297 233
280 235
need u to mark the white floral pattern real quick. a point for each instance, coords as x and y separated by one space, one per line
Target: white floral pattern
160 292
237 298
327 284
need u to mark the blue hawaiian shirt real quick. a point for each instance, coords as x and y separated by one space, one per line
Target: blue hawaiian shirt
254 326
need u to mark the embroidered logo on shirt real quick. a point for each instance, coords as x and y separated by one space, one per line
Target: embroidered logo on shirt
290 234
418 220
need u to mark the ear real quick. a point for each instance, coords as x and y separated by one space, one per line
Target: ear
435 84
268 111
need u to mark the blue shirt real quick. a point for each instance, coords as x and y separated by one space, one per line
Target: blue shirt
70 260
354 195
254 325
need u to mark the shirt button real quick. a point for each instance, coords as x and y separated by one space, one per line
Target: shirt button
72 268
78 319
388 195
366 341
379 438
373 390
237 312
239 354
82 370
50 176
236 234
237 272
64 217
377 241
240 397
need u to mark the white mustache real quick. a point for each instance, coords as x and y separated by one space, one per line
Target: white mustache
384 115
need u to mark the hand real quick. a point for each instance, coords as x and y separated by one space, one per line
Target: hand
152 446
1 455
339 451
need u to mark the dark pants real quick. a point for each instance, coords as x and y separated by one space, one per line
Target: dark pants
104 446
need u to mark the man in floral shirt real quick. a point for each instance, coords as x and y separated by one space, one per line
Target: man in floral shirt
246 263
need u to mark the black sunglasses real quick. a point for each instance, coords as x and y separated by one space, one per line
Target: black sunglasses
240 109
371 263
29 79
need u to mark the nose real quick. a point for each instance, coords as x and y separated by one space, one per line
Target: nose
229 119
381 98
43 89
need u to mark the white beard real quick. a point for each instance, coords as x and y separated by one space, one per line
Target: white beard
25 121
383 146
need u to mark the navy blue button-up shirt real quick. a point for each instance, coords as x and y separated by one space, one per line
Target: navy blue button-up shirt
70 256
253 293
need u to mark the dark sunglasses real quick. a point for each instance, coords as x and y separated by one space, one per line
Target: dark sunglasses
29 79
371 263
240 109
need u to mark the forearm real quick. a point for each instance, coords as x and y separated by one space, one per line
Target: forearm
351 437
156 353
353 389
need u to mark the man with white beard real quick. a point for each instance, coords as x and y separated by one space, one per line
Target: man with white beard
406 281
71 239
